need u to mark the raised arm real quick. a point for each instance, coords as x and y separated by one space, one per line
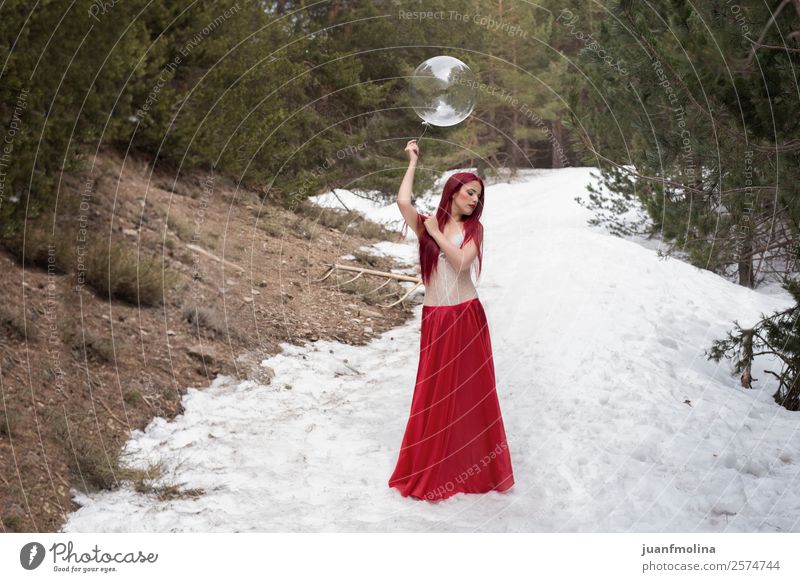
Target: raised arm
410 214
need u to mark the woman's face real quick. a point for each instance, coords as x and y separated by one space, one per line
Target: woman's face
466 199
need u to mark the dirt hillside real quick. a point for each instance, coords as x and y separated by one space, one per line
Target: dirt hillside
156 286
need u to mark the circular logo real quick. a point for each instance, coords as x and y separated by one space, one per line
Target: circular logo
31 555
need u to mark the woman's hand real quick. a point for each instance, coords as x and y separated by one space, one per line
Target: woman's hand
412 150
432 225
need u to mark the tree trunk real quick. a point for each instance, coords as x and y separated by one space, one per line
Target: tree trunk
558 134
746 265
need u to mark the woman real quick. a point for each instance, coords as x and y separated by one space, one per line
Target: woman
455 439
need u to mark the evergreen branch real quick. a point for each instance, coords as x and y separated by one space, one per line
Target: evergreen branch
790 146
772 20
665 181
781 48
760 250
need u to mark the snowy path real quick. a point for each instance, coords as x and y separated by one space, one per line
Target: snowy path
597 344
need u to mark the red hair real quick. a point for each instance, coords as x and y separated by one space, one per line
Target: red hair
473 229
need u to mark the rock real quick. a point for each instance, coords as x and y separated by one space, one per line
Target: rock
171 332
251 368
248 299
262 374
130 232
203 353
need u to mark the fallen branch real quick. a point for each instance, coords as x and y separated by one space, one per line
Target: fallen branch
114 416
205 253
362 271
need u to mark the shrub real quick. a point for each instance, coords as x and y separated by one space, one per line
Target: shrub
13 327
118 272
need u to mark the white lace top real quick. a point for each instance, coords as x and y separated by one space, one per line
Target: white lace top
447 286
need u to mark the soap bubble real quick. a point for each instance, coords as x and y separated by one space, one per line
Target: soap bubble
443 91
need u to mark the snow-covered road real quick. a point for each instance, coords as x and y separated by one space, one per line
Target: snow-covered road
615 419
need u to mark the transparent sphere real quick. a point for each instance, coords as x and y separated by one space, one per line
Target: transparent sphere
443 91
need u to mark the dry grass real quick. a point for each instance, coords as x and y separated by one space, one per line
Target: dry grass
86 344
13 523
132 397
118 272
208 322
351 223
43 249
302 228
14 328
369 259
180 227
96 464
364 289
9 421
167 492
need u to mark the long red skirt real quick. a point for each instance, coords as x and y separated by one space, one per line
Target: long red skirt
455 441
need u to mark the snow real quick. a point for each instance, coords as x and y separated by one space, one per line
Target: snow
616 420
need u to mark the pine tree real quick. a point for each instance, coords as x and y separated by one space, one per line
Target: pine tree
703 134
708 125
776 335
62 90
